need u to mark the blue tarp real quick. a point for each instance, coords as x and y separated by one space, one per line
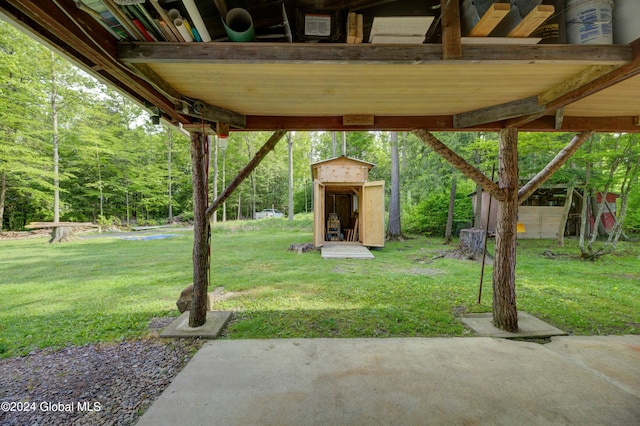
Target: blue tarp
150 237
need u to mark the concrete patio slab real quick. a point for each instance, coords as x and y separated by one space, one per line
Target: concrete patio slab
412 381
528 326
611 358
216 321
345 251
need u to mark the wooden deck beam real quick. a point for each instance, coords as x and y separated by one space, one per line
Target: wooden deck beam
342 53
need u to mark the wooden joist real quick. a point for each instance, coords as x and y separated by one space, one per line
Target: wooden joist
533 20
496 13
490 20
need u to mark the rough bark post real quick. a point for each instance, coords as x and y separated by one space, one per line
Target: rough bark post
198 313
242 174
460 164
558 161
505 314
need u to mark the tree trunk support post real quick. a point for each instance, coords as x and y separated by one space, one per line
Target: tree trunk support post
198 313
202 212
505 314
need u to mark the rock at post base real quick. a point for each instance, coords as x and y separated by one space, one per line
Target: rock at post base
184 301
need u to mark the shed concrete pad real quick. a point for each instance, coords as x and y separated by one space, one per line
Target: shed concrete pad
412 381
608 357
216 321
345 251
528 326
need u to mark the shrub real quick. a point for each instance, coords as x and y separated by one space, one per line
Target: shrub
430 215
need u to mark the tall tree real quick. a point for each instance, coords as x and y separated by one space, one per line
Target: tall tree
24 162
452 201
619 157
290 151
394 229
169 181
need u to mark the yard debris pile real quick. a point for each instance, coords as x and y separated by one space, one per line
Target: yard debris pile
302 247
119 382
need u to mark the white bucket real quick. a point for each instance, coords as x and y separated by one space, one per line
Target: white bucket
589 21
626 21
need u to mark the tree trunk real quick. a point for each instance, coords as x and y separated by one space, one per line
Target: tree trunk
54 130
198 313
565 215
477 214
452 202
394 230
597 210
253 182
224 183
99 182
333 144
3 196
290 140
472 242
169 183
61 234
505 314
585 208
214 218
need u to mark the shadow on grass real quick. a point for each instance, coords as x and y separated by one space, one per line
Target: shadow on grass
31 331
342 323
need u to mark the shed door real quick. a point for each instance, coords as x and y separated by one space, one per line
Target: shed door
318 213
372 214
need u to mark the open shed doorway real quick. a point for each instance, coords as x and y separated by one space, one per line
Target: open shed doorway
347 208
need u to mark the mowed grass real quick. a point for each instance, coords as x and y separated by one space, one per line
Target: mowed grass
108 289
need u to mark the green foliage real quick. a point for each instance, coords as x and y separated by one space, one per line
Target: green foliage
429 217
106 222
186 216
633 213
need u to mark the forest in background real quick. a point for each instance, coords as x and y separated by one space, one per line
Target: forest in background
115 166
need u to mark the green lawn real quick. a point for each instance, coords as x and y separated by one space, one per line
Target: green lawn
107 289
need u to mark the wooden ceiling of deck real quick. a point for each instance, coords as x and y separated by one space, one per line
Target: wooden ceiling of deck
385 90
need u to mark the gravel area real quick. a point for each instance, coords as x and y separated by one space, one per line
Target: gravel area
96 384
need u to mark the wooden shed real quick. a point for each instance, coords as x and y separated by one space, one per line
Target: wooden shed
541 214
347 207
